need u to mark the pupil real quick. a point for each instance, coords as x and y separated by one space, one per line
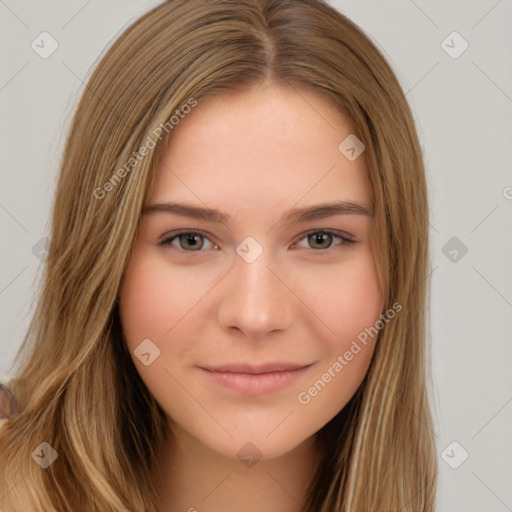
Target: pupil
192 240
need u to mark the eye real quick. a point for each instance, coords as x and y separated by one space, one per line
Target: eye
189 241
318 239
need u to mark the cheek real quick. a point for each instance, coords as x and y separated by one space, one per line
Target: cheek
153 302
329 391
350 304
155 298
162 303
346 298
347 354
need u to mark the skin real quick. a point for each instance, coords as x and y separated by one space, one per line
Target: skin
253 154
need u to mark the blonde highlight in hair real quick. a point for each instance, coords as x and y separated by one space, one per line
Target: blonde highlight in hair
76 386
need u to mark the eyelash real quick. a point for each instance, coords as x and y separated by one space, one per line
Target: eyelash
167 239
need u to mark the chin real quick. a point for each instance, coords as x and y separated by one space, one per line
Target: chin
255 444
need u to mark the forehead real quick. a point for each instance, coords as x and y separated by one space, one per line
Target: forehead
260 150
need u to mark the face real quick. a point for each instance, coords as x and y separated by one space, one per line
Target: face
244 323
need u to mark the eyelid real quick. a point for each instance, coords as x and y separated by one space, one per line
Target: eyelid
345 237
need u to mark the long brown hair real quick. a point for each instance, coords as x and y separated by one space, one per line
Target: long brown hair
75 384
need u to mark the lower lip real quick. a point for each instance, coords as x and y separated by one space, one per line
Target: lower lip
255 383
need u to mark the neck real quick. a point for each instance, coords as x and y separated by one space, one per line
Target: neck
196 478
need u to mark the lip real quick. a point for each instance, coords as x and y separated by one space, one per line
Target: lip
255 379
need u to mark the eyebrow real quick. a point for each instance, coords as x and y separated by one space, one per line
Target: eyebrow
291 216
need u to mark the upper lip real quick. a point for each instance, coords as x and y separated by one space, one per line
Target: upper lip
255 369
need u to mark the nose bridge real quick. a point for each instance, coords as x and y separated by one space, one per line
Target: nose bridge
255 300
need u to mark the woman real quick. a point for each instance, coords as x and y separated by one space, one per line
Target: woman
265 371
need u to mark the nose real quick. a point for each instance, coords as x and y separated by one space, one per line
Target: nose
255 299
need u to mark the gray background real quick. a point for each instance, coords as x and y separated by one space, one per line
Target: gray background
463 112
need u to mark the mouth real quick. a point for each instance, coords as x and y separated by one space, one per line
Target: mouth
255 379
